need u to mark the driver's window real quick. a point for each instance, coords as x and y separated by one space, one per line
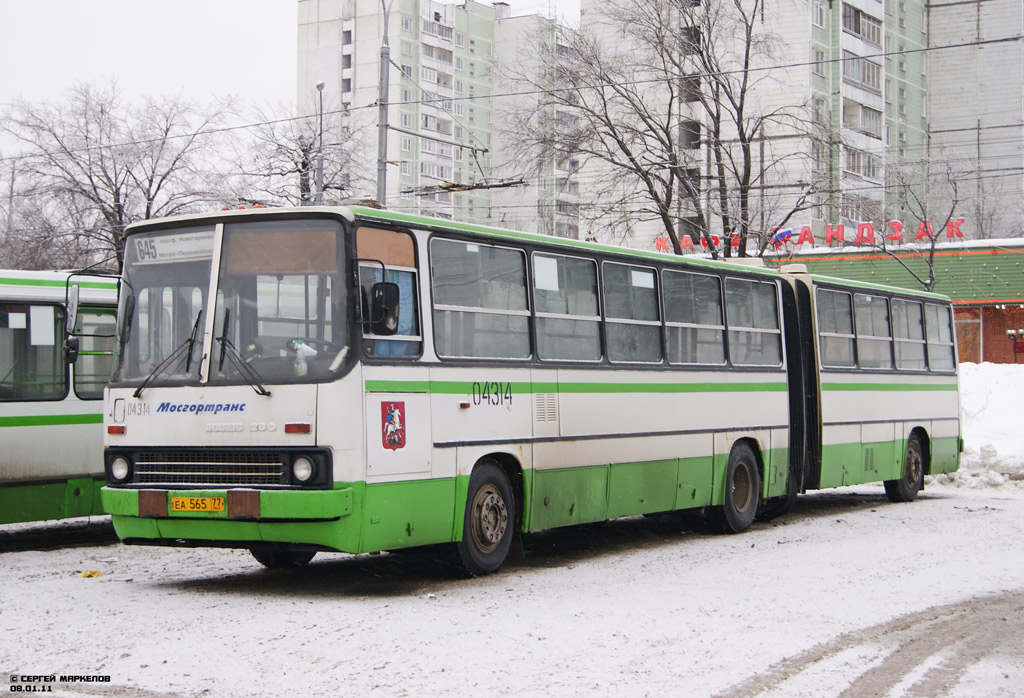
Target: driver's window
389 256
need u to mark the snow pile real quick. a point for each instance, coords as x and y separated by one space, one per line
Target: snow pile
992 426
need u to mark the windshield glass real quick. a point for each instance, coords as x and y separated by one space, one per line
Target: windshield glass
279 312
281 302
167 279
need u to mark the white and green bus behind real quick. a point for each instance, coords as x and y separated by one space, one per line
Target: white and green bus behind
51 421
350 379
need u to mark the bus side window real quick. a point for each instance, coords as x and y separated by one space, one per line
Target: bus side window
633 325
908 330
835 328
693 318
406 341
874 337
568 320
941 356
390 257
752 316
480 300
31 362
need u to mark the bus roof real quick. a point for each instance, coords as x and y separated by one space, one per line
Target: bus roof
368 214
51 285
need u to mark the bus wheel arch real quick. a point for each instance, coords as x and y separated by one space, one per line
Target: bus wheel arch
915 466
489 520
742 496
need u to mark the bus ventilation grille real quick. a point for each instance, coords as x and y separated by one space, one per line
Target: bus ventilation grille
209 468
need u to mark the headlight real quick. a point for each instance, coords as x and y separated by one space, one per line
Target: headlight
120 469
302 469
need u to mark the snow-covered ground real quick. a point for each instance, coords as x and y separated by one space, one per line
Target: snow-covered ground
993 423
848 595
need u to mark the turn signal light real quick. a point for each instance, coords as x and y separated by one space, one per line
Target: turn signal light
115 429
297 428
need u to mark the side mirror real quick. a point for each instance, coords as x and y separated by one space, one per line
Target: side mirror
72 305
126 322
70 349
384 308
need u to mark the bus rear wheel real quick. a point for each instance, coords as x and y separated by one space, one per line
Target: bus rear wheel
275 558
906 488
742 492
489 521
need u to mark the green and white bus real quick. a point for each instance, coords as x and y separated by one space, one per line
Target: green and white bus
51 421
351 379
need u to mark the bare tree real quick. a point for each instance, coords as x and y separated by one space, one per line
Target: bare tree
669 99
912 182
276 158
92 164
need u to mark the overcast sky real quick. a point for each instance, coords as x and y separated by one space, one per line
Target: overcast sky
197 48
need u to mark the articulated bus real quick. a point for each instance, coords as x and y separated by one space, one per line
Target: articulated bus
351 379
51 421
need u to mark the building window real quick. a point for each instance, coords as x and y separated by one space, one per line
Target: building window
864 165
818 61
861 71
405 144
818 13
407 24
871 121
689 135
863 25
690 87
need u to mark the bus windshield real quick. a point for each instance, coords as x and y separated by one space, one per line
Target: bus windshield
279 310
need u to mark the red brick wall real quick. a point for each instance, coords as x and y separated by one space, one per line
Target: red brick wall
989 335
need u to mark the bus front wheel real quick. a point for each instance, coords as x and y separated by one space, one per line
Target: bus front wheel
906 488
742 492
489 521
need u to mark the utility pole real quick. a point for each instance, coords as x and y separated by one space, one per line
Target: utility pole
320 150
382 111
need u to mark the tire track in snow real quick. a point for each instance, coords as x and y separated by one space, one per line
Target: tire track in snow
919 655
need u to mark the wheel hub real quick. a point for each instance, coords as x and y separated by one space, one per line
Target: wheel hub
489 519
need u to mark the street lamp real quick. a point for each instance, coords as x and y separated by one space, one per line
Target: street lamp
320 150
1016 338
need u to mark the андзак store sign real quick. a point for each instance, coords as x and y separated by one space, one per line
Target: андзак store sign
865 235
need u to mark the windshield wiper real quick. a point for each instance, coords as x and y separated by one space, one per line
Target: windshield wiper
238 361
187 344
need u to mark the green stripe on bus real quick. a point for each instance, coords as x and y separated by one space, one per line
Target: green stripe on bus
50 420
888 387
466 387
57 283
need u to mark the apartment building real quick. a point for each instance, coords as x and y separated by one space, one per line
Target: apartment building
445 153
976 112
843 87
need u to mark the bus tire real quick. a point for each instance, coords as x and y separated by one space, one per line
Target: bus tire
742 492
906 488
281 559
489 521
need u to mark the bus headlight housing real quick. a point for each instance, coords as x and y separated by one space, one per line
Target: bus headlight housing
120 469
302 469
